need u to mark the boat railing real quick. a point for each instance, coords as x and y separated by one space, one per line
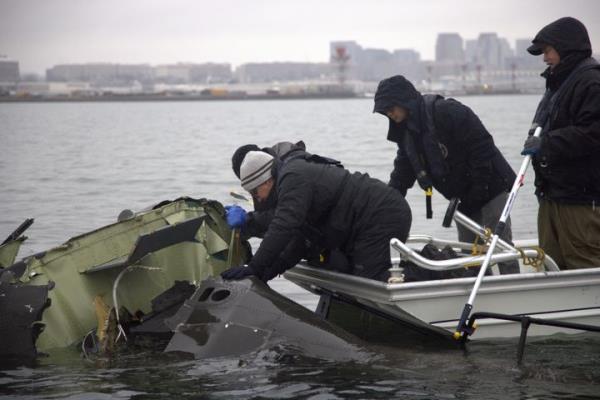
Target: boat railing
407 253
504 251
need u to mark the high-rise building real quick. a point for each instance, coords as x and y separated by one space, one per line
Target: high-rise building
9 71
523 59
488 49
471 55
521 46
406 56
407 62
449 48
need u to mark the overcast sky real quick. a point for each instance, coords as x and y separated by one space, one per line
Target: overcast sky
43 33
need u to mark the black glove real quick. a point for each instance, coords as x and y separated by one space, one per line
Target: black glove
237 273
532 146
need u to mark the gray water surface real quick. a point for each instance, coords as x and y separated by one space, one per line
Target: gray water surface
74 166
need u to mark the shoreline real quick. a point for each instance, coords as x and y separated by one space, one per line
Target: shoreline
177 97
227 97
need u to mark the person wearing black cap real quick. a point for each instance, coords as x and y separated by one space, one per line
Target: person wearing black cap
442 144
349 212
566 156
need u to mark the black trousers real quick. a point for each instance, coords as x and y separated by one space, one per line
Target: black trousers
370 250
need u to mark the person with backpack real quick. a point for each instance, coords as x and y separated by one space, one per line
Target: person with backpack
314 198
566 156
255 223
442 144
305 244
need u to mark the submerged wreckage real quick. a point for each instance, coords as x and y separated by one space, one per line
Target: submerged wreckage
151 276
144 279
54 298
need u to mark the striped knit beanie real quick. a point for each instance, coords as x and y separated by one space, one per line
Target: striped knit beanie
255 169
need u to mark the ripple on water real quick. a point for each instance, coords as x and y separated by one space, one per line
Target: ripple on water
73 167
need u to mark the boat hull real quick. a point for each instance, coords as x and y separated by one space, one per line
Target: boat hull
569 296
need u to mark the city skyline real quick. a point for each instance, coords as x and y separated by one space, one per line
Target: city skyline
42 34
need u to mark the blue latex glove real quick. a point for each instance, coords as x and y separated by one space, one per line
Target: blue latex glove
531 146
236 216
237 273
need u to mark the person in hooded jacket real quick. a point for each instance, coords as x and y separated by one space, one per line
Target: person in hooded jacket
351 212
442 144
566 156
255 223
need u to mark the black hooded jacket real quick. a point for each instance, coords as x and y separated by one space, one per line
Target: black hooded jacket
336 204
567 166
443 144
257 221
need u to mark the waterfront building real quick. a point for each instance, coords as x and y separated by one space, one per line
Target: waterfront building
488 50
282 71
205 73
99 73
369 65
471 55
449 48
9 71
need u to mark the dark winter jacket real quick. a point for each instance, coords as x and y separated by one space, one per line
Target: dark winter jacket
567 167
258 221
443 144
330 200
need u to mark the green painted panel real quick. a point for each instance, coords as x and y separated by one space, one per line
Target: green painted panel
72 313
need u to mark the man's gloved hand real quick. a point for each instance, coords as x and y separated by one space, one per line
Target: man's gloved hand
531 146
236 216
237 273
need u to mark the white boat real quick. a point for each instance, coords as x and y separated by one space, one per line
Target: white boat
567 296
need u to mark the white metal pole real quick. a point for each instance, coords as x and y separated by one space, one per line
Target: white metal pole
462 329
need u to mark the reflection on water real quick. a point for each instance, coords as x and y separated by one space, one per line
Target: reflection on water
74 166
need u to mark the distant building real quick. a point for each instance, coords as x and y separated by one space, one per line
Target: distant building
488 50
99 73
505 51
66 73
375 64
9 71
521 46
172 73
471 56
107 74
449 48
352 49
407 56
523 59
281 71
408 63
134 72
352 54
193 73
211 73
